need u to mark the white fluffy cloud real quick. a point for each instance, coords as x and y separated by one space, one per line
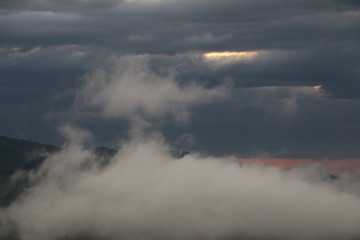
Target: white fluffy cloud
144 193
131 89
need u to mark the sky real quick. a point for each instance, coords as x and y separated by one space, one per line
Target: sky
255 78
263 94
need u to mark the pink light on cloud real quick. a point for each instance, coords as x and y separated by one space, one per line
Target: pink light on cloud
330 166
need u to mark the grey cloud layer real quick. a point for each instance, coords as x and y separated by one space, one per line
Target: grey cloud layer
168 27
325 31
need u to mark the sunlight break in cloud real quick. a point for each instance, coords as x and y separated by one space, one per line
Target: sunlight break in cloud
230 57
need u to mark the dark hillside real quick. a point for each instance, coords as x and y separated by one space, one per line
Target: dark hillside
17 154
21 154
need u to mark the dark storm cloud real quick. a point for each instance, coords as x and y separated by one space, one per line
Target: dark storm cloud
182 26
47 46
168 27
279 123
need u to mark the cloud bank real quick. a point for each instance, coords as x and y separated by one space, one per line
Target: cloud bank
144 193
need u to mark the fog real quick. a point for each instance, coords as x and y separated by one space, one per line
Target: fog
128 88
144 193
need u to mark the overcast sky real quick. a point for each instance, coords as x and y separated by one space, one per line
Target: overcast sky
290 86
